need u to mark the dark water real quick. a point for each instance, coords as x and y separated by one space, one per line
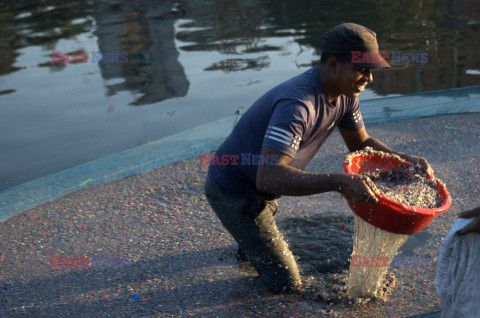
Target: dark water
189 63
321 243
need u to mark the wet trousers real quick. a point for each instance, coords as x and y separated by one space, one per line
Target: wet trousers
251 222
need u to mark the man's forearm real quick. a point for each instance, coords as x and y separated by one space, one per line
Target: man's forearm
286 180
377 145
380 146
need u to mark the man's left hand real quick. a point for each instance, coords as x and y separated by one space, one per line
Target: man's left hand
419 161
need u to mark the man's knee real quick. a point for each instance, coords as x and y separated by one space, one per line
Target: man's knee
277 273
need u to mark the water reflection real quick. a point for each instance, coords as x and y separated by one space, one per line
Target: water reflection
447 32
230 27
146 34
191 62
231 65
27 23
239 30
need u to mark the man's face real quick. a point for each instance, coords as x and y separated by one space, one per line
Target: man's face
352 79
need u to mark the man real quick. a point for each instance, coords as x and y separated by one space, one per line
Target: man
279 135
474 226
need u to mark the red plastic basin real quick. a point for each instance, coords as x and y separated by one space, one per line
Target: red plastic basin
387 214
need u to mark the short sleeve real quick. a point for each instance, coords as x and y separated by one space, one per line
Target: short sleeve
352 120
286 127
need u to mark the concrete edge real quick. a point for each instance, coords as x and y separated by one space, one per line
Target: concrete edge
130 162
205 138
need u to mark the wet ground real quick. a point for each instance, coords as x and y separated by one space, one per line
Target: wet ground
157 250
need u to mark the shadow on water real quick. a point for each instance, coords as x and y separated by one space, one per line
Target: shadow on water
166 288
416 240
322 242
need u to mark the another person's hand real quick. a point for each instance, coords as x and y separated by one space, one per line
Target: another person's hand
358 188
474 226
419 161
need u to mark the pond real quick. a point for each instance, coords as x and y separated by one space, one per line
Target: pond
155 68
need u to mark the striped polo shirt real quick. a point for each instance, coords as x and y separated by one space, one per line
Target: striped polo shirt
294 118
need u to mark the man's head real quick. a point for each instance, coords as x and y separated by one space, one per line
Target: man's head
349 52
355 43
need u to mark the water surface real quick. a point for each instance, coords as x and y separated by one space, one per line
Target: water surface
189 63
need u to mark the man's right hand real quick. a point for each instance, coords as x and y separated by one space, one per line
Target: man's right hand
282 179
357 188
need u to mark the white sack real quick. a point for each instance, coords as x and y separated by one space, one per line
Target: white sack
457 282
